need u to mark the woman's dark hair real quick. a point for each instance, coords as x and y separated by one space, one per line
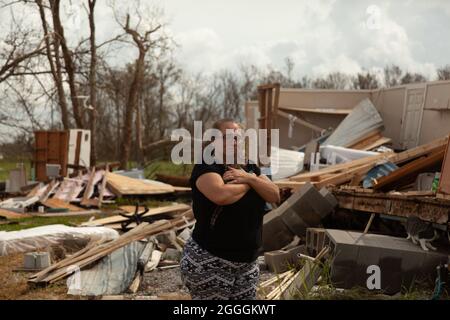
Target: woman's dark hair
219 123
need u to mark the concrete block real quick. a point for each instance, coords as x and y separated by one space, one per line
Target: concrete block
315 240
279 261
294 222
42 260
400 261
29 261
36 260
171 254
329 197
275 233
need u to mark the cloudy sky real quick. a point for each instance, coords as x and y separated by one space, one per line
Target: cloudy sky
319 36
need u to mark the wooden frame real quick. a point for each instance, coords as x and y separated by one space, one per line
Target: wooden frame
268 99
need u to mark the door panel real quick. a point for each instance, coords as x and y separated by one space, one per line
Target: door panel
412 116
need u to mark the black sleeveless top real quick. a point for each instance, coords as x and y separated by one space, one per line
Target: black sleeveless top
232 232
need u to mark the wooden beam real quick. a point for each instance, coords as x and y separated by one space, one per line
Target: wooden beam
408 170
402 205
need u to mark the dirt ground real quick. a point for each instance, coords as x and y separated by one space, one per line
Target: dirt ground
158 284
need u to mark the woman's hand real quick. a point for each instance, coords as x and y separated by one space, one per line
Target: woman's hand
238 176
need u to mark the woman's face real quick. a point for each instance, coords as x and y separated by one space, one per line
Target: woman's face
231 138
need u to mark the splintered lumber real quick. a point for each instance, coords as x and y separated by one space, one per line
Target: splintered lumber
342 169
409 170
398 204
444 182
346 176
371 142
68 266
122 185
411 154
301 282
55 203
172 209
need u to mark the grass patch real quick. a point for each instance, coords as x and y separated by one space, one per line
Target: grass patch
168 168
27 223
7 165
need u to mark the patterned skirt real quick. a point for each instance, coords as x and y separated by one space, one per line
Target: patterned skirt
212 278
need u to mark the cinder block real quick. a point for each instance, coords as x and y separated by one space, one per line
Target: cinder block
279 261
306 201
275 233
329 197
29 261
36 260
315 240
171 254
42 260
399 260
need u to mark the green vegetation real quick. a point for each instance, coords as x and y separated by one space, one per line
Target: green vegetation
7 164
169 168
27 223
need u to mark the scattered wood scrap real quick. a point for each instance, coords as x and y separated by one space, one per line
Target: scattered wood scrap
95 251
401 204
342 173
444 182
408 172
122 185
12 215
114 221
55 203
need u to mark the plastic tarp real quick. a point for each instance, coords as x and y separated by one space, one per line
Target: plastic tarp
42 237
335 155
363 120
111 275
285 163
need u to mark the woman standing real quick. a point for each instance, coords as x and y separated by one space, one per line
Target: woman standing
219 260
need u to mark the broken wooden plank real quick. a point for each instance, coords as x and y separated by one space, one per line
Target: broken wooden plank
409 170
172 209
122 185
59 204
12 215
144 230
397 204
444 181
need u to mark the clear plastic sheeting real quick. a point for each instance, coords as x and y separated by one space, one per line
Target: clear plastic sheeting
42 237
285 163
335 155
110 276
362 121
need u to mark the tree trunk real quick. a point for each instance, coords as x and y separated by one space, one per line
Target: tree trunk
130 107
68 61
93 82
55 67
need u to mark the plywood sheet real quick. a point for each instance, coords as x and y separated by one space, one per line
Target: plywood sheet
58 204
122 185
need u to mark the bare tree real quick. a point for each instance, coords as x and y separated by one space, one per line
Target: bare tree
392 76
413 78
93 81
68 62
365 80
144 41
444 73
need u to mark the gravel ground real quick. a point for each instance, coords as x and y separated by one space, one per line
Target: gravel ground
167 283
